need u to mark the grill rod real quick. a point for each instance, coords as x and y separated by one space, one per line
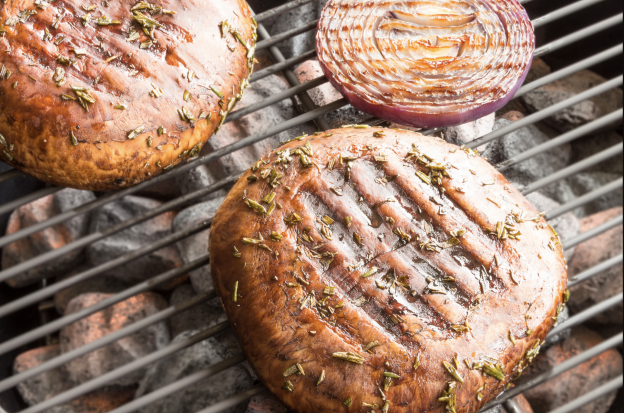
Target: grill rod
52 289
545 113
589 397
577 66
611 118
164 314
125 294
572 169
582 200
181 169
43 258
234 400
276 11
6 346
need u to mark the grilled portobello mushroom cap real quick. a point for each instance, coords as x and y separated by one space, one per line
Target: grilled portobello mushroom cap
378 269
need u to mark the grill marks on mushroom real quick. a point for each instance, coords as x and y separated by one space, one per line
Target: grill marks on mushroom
417 303
103 50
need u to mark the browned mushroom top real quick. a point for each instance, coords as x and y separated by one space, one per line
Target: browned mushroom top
104 95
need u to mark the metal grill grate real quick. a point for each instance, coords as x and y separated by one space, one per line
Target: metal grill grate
314 114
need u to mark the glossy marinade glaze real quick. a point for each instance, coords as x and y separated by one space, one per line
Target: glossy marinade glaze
379 269
104 95
426 63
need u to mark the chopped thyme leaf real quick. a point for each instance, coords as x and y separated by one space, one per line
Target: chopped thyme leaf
387 382
268 198
423 177
161 130
371 345
255 206
216 92
291 370
417 362
73 139
186 96
136 132
566 295
327 233
121 106
236 253
385 407
276 236
105 21
512 338
357 239
321 378
329 290
449 397
370 272
292 219
348 356
348 221
391 375
453 371
327 220
235 293
348 402
288 386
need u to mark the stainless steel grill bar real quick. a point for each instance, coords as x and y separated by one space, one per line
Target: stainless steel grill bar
26 199
59 323
10 382
281 9
244 395
572 169
181 169
278 67
277 98
589 397
274 130
590 272
540 21
305 99
13 173
556 370
588 197
234 400
592 232
613 117
56 287
96 236
587 314
52 289
567 71
564 11
110 338
264 44
174 387
579 35
126 369
545 113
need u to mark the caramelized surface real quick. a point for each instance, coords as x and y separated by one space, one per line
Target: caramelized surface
410 265
70 43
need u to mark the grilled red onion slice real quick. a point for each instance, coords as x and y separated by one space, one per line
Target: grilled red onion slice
426 63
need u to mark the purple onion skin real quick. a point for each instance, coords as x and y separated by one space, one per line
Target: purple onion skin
404 116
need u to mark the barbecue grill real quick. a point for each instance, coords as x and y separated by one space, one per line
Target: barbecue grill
25 305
